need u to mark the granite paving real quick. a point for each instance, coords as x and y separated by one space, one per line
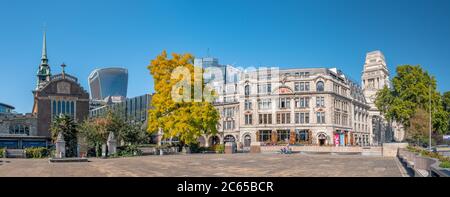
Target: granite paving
209 165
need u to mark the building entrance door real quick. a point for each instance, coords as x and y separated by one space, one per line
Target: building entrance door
322 139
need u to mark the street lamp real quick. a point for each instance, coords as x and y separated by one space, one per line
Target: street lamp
431 126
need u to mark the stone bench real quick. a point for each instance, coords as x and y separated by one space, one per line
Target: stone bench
68 160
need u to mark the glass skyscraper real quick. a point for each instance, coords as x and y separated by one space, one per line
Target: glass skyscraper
108 82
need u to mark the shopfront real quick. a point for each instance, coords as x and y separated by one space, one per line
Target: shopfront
342 138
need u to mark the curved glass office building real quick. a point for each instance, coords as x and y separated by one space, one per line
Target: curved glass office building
107 82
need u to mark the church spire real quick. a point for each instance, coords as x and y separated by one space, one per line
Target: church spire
44 73
44 59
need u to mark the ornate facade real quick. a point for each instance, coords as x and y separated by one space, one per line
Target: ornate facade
375 77
316 106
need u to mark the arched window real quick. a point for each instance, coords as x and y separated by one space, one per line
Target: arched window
59 108
229 138
54 108
72 106
247 90
320 86
63 111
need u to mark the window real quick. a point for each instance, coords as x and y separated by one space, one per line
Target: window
228 112
247 104
301 86
283 118
248 119
63 107
284 103
265 104
320 117
302 102
320 101
302 118
345 119
265 118
264 88
265 136
247 90
320 87
302 135
337 117
283 135
228 125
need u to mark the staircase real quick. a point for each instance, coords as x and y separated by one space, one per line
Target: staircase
15 153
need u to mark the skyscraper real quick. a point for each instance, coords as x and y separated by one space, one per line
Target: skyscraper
108 83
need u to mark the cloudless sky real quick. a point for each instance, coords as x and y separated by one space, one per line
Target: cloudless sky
89 34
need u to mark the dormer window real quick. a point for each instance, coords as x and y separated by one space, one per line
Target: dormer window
320 86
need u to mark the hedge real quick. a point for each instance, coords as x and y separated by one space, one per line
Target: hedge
38 152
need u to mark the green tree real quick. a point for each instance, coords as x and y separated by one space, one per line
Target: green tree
419 126
95 133
134 133
65 124
410 92
446 101
446 105
186 119
96 130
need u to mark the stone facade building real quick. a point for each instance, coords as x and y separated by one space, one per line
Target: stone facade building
374 78
19 130
316 106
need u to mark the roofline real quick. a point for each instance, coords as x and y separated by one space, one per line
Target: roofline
8 106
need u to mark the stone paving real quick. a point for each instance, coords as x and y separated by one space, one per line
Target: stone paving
210 165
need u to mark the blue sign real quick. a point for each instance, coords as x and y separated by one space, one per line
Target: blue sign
26 144
12 144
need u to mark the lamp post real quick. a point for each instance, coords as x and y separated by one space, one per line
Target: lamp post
431 125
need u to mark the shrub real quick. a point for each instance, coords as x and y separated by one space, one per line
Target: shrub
219 148
38 152
128 151
2 152
445 164
426 153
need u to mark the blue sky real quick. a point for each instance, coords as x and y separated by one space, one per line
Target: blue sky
129 33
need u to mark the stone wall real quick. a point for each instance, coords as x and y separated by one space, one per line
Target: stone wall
391 149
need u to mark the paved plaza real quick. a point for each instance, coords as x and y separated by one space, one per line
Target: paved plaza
210 165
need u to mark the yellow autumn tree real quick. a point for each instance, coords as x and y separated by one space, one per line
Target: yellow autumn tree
186 118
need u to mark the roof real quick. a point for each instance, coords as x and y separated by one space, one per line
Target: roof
7 106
